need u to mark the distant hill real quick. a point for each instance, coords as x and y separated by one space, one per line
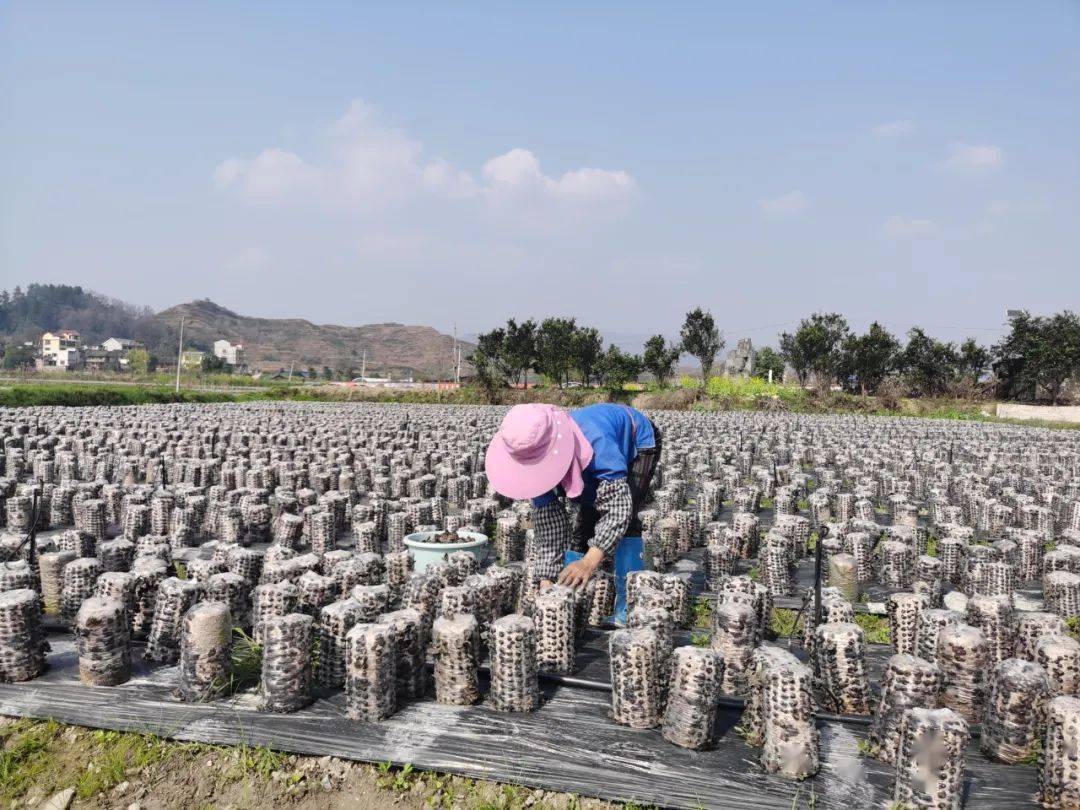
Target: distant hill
25 314
272 343
269 343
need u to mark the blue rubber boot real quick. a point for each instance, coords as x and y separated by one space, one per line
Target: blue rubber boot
629 556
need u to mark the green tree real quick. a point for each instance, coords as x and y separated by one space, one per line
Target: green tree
488 358
1014 358
816 348
701 340
973 360
327 373
519 349
48 307
555 349
661 358
588 349
212 364
139 361
311 372
930 365
1057 354
18 356
868 359
617 368
766 360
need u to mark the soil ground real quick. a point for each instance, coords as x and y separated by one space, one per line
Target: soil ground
45 764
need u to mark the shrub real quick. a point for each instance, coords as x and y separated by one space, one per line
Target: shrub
746 391
672 399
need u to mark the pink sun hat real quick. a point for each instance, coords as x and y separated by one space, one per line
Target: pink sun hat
536 447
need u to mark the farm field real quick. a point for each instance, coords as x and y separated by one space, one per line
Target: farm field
948 552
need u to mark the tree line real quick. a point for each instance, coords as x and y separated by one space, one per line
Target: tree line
1035 360
824 351
564 351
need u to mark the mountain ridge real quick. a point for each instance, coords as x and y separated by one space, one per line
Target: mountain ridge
271 343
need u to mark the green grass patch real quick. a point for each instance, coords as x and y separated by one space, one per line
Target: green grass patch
1032 757
22 396
1073 624
246 665
700 639
865 748
703 611
25 759
875 628
399 780
931 546
113 753
748 392
255 761
785 623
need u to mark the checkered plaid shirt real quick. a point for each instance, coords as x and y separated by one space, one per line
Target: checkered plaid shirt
551 527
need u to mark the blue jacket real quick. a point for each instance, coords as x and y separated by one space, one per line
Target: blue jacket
616 433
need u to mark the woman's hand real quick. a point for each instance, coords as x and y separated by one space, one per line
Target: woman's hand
578 573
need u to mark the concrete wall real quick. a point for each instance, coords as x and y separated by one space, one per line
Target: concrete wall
1049 413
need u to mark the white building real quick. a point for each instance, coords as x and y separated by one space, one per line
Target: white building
115 344
60 349
231 353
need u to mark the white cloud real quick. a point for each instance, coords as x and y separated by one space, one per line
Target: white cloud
518 172
794 202
965 158
373 166
270 175
895 129
897 227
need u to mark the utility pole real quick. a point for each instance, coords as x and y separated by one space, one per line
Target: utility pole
457 358
291 364
363 366
457 376
180 355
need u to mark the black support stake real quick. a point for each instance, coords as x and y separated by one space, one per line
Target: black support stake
822 531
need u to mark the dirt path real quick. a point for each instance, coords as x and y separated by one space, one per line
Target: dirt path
48 765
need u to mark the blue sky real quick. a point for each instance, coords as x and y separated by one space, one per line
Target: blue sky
621 162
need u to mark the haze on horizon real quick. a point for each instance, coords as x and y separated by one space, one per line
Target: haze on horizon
447 163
